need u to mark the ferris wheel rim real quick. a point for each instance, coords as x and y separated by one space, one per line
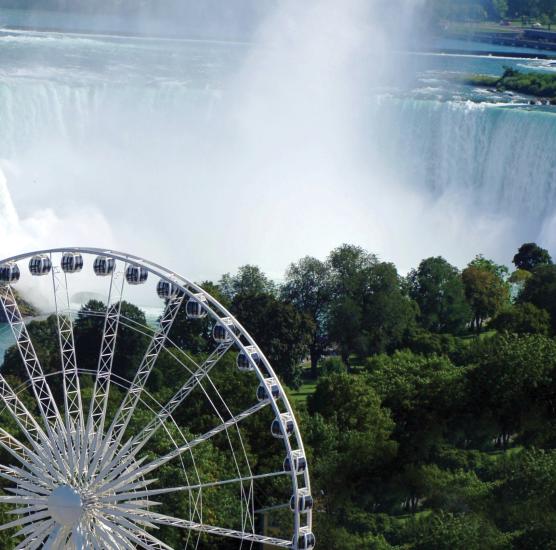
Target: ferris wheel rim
241 338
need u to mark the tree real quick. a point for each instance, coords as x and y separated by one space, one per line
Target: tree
130 345
437 288
540 290
512 382
453 532
370 313
522 319
88 328
345 327
350 433
388 313
308 288
530 255
349 266
500 7
486 292
282 332
350 401
480 262
425 395
249 280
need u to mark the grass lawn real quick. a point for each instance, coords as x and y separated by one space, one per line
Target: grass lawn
299 396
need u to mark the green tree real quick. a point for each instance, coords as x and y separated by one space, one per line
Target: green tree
480 262
454 532
308 288
282 332
249 280
512 383
540 290
530 255
370 313
486 292
522 319
426 395
350 434
437 288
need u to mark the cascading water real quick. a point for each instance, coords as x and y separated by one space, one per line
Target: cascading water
262 137
497 159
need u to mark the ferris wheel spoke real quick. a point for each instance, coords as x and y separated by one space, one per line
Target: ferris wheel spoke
28 425
24 455
129 496
26 500
214 530
155 464
71 387
140 440
29 508
78 538
135 535
23 482
125 411
31 518
43 394
101 387
35 535
109 539
13 473
56 538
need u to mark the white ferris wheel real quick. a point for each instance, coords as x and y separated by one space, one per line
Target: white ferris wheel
96 459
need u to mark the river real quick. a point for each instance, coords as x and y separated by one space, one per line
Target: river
433 166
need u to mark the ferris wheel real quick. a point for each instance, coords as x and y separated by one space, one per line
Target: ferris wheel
192 445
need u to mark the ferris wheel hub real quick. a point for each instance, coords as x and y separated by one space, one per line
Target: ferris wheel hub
66 505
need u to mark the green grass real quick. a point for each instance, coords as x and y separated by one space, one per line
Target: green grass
300 396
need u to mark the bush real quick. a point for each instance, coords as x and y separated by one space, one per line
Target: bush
332 365
523 319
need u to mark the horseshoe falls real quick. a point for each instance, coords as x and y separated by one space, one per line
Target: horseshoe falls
238 152
489 159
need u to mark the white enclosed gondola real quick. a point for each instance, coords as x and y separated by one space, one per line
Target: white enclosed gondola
245 359
221 331
72 262
194 308
282 427
40 265
304 501
136 275
104 266
299 463
268 388
306 541
9 273
166 289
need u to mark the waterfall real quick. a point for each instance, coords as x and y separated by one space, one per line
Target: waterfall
498 159
246 142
